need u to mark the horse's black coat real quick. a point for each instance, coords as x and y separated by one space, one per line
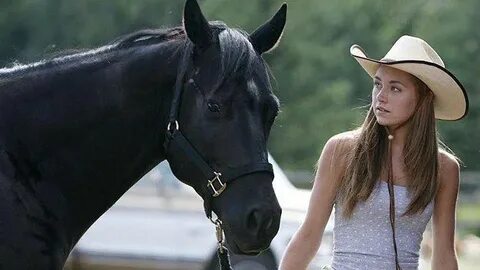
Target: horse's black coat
77 131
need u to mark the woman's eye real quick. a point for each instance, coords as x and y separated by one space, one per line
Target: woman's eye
396 89
213 107
377 85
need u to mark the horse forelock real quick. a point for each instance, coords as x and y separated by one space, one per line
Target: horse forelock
239 58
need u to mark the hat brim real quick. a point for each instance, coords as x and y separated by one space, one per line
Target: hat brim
450 101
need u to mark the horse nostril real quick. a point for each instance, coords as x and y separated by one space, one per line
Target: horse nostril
252 220
268 223
259 222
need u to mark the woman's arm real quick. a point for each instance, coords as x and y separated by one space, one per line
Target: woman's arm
444 257
306 241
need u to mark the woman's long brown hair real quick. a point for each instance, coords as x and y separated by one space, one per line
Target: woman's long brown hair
364 162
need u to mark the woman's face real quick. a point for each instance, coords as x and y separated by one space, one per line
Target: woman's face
394 96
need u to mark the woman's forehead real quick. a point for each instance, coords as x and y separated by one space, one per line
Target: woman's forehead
392 74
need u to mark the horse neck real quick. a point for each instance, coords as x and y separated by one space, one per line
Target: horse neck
87 133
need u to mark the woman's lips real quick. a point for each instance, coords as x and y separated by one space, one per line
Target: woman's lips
382 109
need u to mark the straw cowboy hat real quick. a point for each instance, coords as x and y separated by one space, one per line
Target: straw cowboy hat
415 56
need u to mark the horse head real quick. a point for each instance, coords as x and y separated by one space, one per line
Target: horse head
219 125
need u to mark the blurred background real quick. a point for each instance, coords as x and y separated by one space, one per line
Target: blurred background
322 90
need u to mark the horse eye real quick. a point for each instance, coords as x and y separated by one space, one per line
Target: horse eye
213 107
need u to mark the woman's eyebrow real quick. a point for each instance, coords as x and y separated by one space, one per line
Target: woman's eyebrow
399 82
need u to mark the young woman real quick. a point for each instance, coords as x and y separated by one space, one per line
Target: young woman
387 178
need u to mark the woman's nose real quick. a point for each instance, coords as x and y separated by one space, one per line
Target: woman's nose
382 96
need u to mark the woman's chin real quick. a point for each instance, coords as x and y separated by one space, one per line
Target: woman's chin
383 122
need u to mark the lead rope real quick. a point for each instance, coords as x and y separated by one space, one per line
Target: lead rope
222 251
391 194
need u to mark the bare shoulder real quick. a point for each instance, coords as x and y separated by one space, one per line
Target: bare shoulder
449 169
337 149
347 136
329 170
341 144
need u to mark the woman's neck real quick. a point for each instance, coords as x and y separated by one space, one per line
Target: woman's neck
399 134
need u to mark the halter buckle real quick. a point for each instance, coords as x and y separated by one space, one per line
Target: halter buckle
211 184
176 126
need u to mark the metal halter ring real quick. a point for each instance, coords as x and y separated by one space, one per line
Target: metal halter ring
216 221
219 234
211 183
176 125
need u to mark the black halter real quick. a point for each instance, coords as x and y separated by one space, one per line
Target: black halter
215 181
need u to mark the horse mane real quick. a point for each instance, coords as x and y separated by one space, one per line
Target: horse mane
148 36
238 57
139 38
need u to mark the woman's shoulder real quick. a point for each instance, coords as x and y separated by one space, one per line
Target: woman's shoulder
344 141
335 155
447 161
340 145
449 168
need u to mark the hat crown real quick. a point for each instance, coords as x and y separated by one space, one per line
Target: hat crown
412 48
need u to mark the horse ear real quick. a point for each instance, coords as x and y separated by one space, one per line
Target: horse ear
267 36
195 24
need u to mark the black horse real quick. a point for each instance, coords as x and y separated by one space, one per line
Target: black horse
78 131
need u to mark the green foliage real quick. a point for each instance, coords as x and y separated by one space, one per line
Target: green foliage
321 87
33 29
